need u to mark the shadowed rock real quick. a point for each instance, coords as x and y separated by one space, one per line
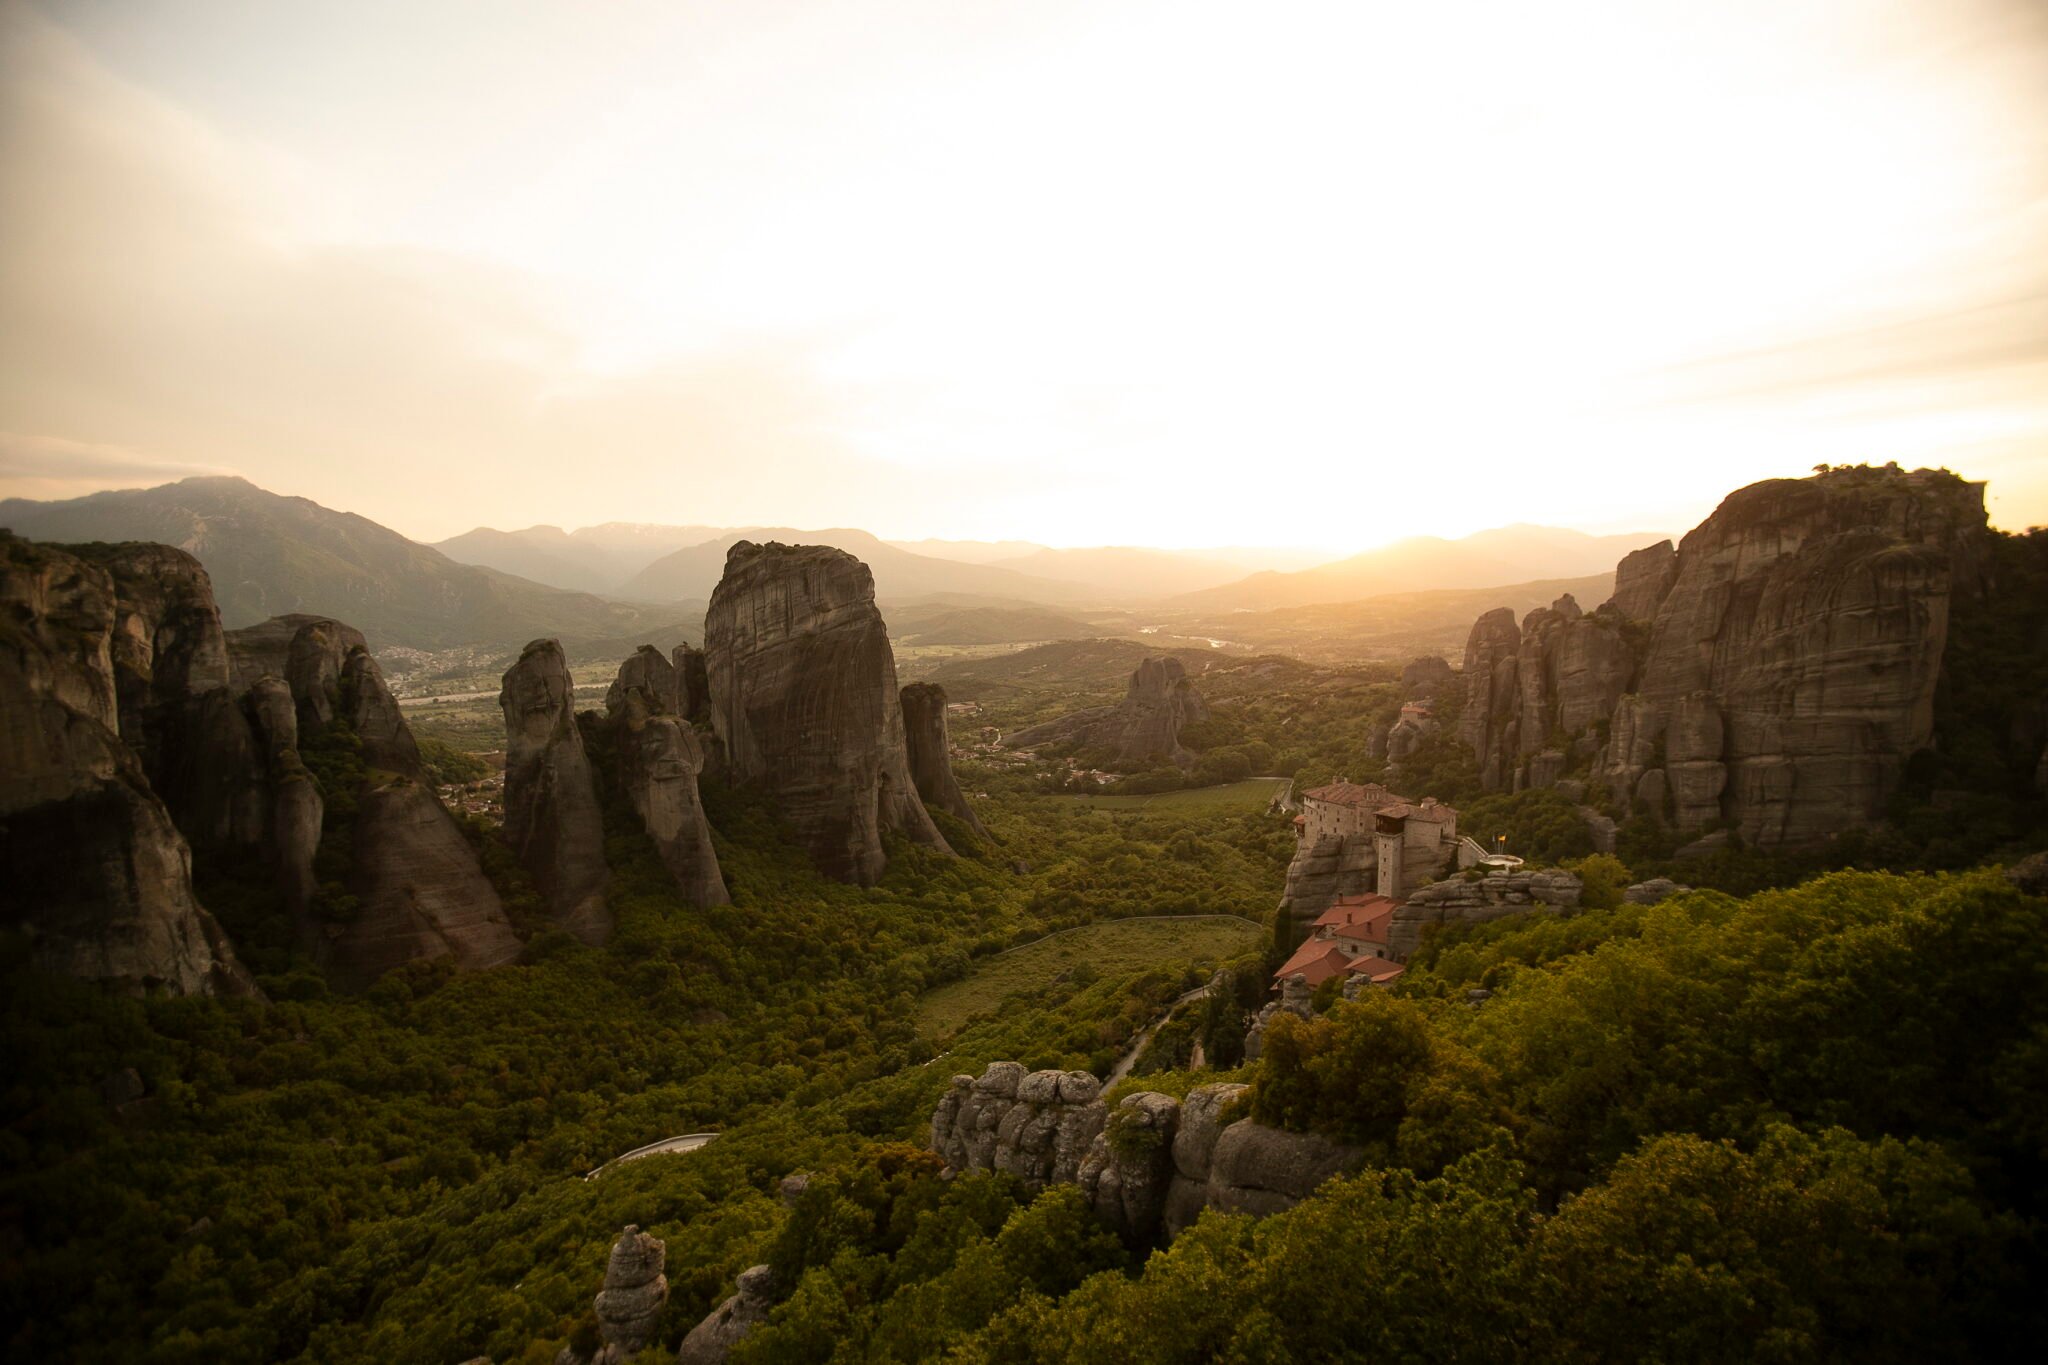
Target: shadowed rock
693 685
93 872
930 751
804 699
658 762
552 823
648 669
635 1289
711 1341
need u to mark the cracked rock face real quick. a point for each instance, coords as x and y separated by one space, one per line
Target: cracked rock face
658 762
635 1289
1150 1167
805 703
92 869
931 753
552 822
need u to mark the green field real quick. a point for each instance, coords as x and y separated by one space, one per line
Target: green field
1252 794
1112 948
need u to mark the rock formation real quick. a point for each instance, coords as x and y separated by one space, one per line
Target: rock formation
1141 731
658 763
1149 1167
1652 891
93 871
711 1341
693 685
1773 672
1295 998
629 1306
650 671
931 753
1415 724
552 822
1476 900
1426 677
804 700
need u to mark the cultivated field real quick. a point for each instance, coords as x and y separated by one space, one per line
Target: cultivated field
1112 948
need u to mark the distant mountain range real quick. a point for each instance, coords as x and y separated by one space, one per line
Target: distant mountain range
268 555
1505 555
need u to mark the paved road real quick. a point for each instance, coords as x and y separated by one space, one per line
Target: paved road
1130 1058
687 1142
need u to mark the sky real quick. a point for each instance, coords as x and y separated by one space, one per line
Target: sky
1116 272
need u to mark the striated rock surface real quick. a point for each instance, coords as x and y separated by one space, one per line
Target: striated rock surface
93 871
1792 662
552 822
1143 730
1652 891
1329 867
1489 724
1150 1167
1407 733
420 891
635 1289
804 700
711 1341
931 753
1642 579
1477 900
658 762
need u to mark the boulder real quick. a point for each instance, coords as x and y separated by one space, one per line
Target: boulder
1260 1170
712 1340
552 823
930 752
1477 900
805 701
1654 890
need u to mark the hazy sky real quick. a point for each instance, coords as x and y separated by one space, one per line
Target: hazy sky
1164 273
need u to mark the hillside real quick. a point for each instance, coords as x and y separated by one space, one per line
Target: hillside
1127 572
956 619
269 555
695 570
1506 554
590 559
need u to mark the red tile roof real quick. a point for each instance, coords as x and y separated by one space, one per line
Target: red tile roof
1316 960
1432 811
1375 968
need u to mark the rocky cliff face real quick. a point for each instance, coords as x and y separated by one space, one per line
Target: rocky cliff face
659 761
635 1289
1773 672
711 1341
693 685
92 869
551 815
1149 1167
804 701
930 748
1476 900
1142 731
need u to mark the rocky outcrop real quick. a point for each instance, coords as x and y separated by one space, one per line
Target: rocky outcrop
1329 867
647 669
804 701
711 1341
2030 875
1773 673
658 763
1642 579
552 824
1149 1167
93 871
1407 733
1476 900
635 1289
931 754
693 685
1141 731
419 891
1652 891
1295 998
1427 676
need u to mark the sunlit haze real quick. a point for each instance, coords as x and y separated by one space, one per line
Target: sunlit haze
1173 274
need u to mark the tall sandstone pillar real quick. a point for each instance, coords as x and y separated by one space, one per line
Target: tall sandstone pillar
805 702
551 817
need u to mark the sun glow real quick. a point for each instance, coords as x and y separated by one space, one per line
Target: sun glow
1127 273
